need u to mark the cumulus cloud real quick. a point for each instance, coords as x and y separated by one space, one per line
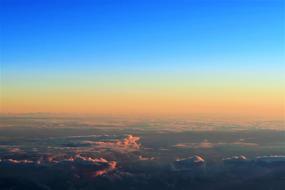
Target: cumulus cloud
182 145
185 164
102 165
112 165
240 157
192 159
128 144
235 159
97 166
263 160
130 141
79 158
142 158
14 150
13 161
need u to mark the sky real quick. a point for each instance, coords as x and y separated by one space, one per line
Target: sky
155 57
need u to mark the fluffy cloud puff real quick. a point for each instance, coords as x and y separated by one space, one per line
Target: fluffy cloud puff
142 158
185 164
235 159
128 144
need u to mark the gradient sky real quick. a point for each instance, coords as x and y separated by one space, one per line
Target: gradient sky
143 57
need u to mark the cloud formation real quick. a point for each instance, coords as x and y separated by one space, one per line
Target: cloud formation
13 161
128 144
112 165
271 159
235 159
206 144
98 166
259 160
185 164
142 158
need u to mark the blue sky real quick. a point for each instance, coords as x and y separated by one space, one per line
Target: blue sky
141 33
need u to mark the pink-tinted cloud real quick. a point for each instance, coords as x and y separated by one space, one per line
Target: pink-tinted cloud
184 164
128 144
112 165
142 158
204 144
130 141
96 166
13 161
14 150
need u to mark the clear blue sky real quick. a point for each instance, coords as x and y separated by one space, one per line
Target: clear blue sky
46 33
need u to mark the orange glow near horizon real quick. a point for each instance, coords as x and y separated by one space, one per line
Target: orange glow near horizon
179 102
236 93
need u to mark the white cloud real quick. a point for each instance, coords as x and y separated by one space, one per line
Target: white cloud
184 164
142 158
